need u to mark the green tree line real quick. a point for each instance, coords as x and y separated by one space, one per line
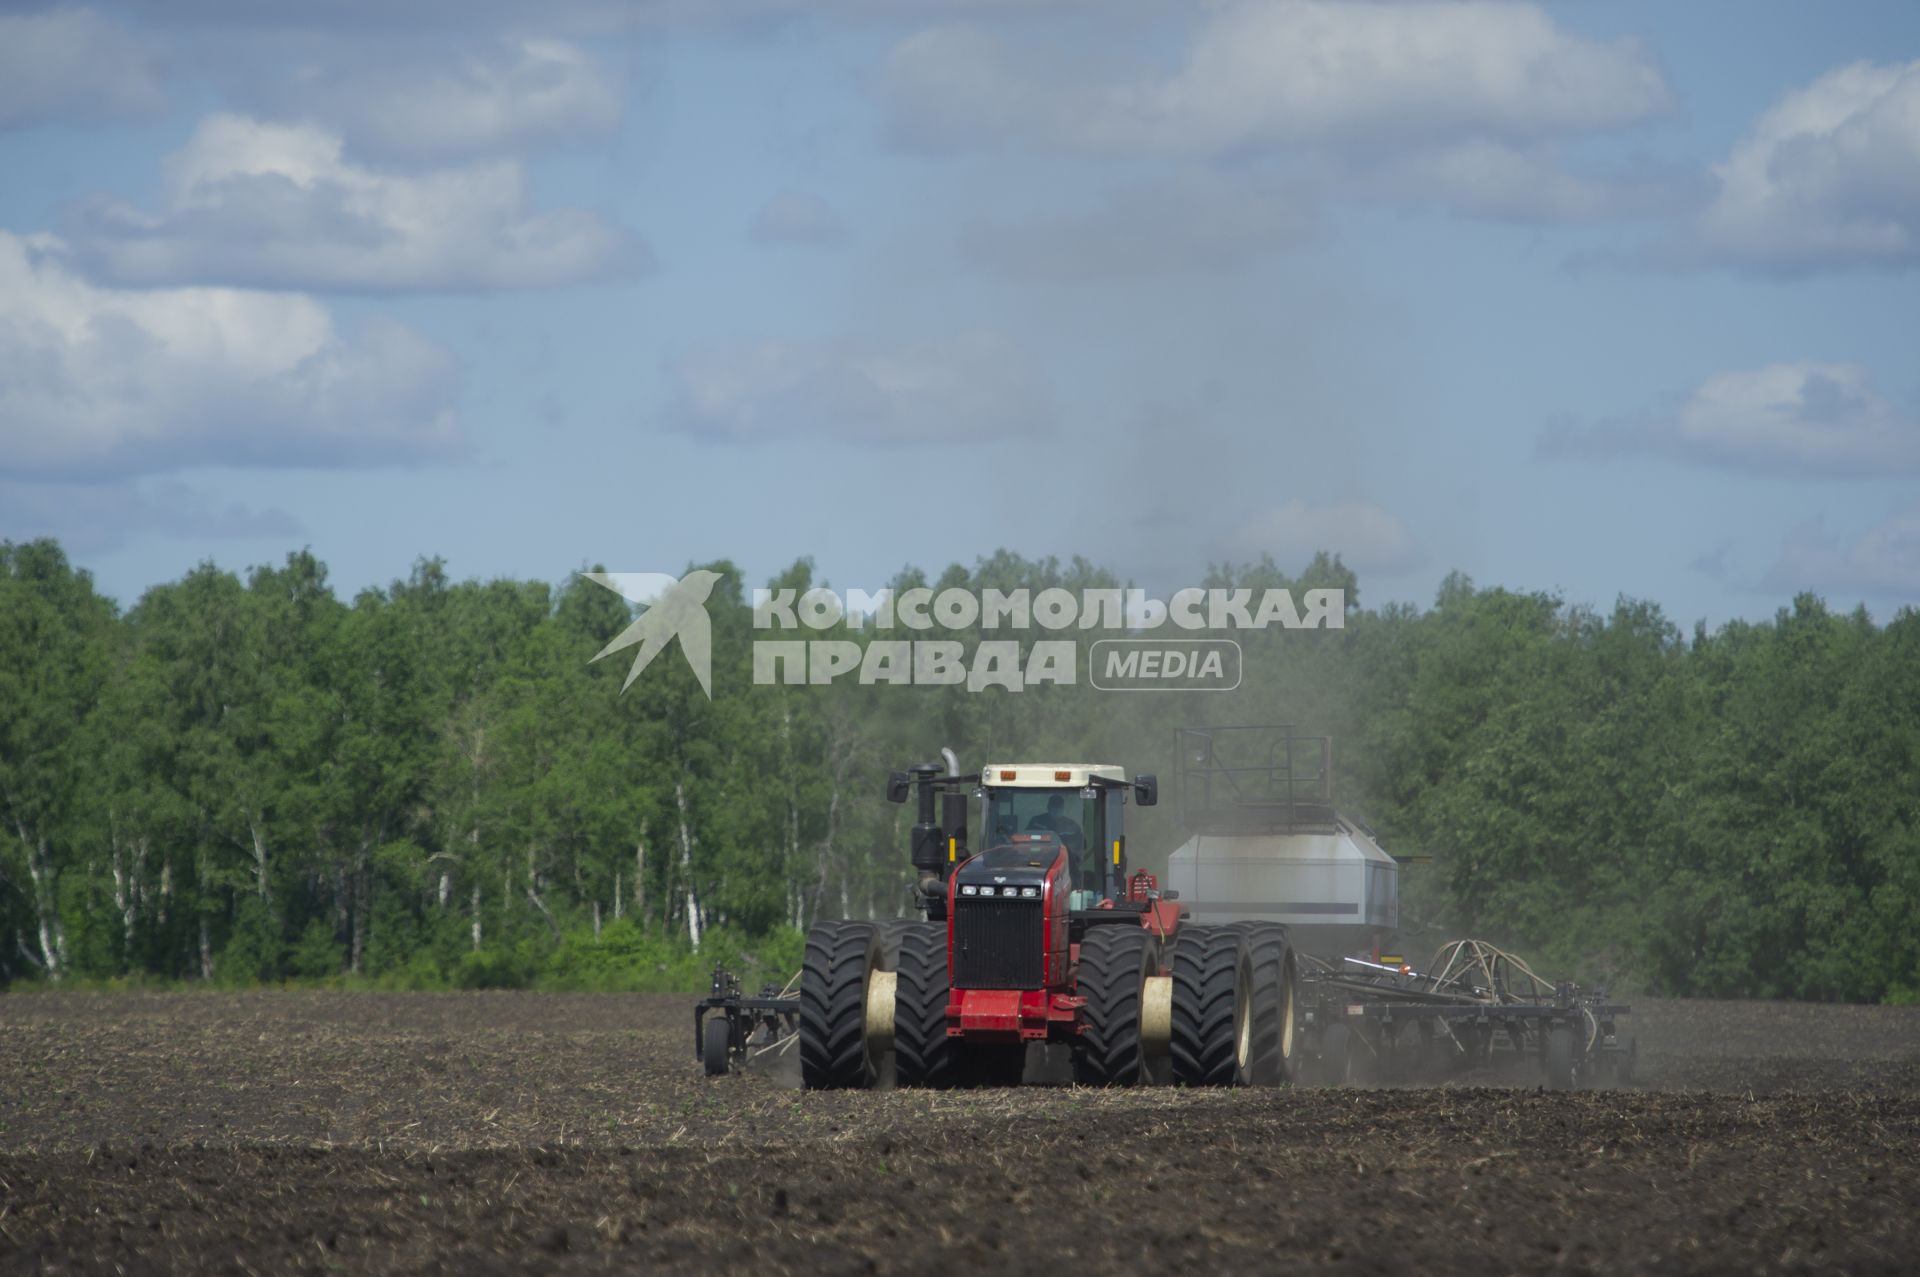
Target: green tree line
248 778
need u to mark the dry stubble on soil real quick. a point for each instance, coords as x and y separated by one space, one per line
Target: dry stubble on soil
296 1132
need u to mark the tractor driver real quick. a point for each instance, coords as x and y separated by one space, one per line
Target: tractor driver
1055 818
1067 829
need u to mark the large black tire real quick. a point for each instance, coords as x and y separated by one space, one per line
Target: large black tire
1205 963
833 1005
923 1054
716 1045
1266 1007
1559 1057
1115 961
891 930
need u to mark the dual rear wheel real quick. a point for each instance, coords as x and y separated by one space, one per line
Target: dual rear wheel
1235 1006
844 970
873 1006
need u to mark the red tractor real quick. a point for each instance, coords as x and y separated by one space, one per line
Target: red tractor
1040 953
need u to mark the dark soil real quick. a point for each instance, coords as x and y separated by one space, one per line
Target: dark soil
281 1133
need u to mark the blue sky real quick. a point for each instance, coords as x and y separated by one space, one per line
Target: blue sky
1598 298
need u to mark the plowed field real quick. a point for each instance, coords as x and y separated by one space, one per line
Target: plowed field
462 1133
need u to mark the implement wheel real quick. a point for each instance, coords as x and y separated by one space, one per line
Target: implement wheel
842 960
1115 961
1205 965
922 1051
1266 1004
1337 1065
1560 1057
716 1044
1623 1060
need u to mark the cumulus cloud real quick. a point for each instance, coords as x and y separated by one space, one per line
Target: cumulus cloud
255 204
975 386
1367 537
439 101
1827 178
1789 420
1882 563
1196 223
72 64
799 217
99 383
1264 75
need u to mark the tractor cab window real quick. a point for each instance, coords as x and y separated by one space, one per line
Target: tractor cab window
1074 820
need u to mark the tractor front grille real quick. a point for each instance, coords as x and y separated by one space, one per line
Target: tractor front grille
997 944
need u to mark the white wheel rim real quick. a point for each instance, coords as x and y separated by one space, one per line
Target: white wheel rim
1242 1022
1286 1016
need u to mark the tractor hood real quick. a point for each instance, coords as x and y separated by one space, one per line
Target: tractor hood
1025 862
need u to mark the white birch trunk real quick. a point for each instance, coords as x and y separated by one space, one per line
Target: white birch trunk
640 878
259 856
46 905
686 868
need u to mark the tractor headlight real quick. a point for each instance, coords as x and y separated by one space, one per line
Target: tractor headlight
1030 893
969 890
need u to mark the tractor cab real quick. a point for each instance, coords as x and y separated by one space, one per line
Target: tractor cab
1080 807
1040 809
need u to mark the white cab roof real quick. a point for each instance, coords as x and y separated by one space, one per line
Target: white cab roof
1049 775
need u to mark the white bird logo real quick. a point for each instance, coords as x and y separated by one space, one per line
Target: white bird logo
675 606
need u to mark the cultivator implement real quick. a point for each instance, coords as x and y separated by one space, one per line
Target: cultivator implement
1474 1007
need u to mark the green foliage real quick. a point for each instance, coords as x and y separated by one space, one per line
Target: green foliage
318 953
253 953
432 785
626 960
494 969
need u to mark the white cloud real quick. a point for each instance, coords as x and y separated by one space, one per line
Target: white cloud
1789 420
440 101
1883 563
976 386
1829 177
799 217
265 205
1367 537
1266 74
71 64
1195 223
98 383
